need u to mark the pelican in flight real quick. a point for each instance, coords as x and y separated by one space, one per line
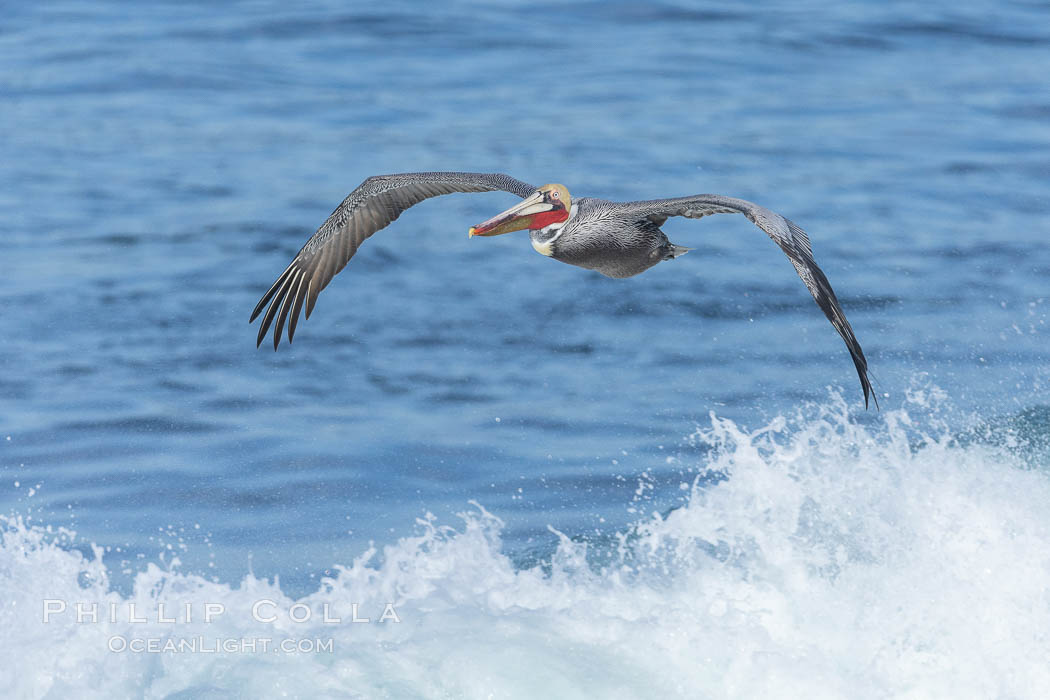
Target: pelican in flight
617 239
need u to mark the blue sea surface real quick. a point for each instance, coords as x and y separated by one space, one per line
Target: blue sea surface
161 163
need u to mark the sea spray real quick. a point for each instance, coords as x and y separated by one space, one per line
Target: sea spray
829 558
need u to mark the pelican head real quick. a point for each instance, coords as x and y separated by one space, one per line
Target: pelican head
548 205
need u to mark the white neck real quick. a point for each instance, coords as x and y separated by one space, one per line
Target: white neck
545 246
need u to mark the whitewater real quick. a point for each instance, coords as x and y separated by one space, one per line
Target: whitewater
814 557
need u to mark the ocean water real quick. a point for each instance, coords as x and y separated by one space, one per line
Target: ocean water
529 478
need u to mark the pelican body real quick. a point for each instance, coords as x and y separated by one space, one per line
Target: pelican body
617 239
597 234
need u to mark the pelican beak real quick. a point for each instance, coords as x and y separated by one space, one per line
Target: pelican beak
514 219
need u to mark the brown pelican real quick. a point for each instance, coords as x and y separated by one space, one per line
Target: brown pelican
617 239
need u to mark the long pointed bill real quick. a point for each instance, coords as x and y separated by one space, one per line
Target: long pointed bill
514 219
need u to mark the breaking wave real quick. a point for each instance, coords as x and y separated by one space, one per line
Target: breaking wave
814 557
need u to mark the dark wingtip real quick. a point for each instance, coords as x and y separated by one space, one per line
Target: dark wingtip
255 314
269 294
865 382
868 389
861 363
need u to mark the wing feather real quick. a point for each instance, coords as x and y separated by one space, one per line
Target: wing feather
300 297
791 239
376 203
293 283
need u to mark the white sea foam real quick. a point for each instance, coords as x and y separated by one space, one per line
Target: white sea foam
834 561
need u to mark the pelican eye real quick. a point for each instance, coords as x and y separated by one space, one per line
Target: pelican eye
554 194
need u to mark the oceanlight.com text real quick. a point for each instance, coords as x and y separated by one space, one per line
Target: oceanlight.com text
218 645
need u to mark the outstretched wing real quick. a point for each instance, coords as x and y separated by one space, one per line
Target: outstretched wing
372 206
791 239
